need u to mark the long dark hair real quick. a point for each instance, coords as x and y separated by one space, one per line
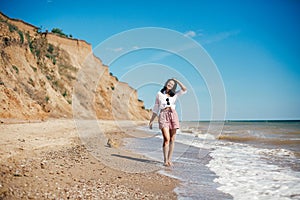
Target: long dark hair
172 91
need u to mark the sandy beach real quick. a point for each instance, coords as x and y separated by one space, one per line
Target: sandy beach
47 160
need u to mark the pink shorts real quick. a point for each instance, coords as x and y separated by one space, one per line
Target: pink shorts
168 118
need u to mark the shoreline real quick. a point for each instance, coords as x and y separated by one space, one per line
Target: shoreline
197 181
46 159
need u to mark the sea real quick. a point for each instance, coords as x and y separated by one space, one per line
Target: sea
242 160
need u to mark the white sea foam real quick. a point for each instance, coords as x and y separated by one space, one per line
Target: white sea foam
198 140
245 171
206 136
245 175
277 152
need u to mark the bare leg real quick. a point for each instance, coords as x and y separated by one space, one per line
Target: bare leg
166 136
171 146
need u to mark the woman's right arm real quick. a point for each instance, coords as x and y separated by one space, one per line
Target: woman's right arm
151 120
155 110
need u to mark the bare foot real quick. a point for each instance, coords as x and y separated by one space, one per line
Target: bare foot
170 164
167 164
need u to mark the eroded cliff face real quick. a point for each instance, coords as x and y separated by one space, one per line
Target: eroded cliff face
39 72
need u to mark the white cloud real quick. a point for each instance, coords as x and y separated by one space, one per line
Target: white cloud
220 36
118 49
190 34
206 39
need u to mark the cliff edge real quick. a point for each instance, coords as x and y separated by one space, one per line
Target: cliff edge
39 71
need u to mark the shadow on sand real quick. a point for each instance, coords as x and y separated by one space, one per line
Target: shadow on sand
137 159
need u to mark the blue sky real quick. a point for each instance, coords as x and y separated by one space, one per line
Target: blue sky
254 44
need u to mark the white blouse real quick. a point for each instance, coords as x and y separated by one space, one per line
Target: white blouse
161 101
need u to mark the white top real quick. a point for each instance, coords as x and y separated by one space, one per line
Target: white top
161 101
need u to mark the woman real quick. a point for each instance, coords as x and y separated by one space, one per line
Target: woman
168 121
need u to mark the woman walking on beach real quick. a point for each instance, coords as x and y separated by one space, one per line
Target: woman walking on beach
168 121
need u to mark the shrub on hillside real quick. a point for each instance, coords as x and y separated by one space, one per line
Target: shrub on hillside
59 32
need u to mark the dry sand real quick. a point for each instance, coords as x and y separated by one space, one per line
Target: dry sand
46 160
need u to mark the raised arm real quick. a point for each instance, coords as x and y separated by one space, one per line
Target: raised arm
183 88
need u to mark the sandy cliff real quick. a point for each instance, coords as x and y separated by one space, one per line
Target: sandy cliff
39 73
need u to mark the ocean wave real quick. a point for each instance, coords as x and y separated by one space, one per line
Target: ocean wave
247 172
265 140
276 152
